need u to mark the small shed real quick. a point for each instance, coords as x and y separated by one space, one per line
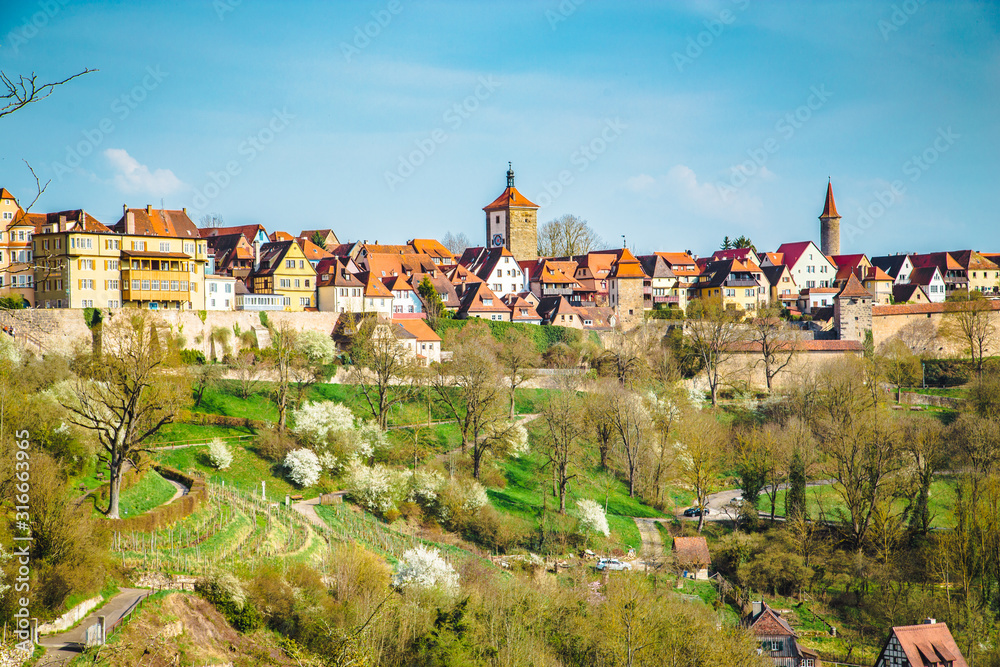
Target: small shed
693 556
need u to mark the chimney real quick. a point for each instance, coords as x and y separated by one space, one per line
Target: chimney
62 223
184 210
149 209
256 255
758 608
129 221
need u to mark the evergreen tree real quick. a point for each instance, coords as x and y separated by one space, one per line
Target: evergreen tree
795 498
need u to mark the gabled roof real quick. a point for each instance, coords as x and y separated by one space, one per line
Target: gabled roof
775 258
473 297
482 261
398 283
877 274
76 221
312 251
249 231
829 208
773 274
336 273
926 645
891 264
281 236
416 329
549 307
854 288
924 276
555 273
374 287
849 261
742 254
692 552
600 317
793 251
459 275
443 286
159 222
433 248
271 255
627 266
655 266
510 198
520 309
973 261
942 260
912 292
5 194
770 623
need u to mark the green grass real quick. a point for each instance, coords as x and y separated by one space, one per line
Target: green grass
951 392
826 500
179 433
149 492
246 471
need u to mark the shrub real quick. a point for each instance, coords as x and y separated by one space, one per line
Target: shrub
592 517
219 454
273 444
225 592
316 422
192 357
303 467
421 567
373 488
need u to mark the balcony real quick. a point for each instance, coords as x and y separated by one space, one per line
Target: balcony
741 283
262 302
666 299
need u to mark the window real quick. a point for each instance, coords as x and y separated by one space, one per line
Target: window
289 263
113 264
156 284
112 284
188 248
164 246
297 283
173 285
135 284
307 282
213 303
138 245
302 264
145 284
304 301
213 287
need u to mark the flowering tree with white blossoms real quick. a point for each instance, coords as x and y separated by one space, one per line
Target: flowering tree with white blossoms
425 486
373 488
303 467
219 454
316 422
592 517
421 567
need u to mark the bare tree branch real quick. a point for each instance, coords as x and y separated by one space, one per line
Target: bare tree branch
24 90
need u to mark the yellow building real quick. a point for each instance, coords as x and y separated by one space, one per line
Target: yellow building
282 268
81 263
16 263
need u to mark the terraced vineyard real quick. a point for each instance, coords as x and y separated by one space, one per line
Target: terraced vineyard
232 528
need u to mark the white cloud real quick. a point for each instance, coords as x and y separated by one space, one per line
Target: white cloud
131 176
681 186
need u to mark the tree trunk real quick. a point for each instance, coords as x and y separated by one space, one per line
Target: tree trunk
715 394
477 457
512 403
114 491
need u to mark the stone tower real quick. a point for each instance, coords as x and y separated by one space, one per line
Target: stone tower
512 221
829 225
852 310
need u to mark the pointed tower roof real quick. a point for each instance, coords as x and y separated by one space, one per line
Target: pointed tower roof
854 288
627 266
830 208
510 198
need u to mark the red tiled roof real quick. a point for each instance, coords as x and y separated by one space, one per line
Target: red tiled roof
627 266
311 250
927 645
5 194
432 247
854 288
830 208
249 231
159 222
923 308
417 328
692 551
849 261
510 198
793 251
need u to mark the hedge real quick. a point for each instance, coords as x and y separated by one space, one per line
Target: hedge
210 419
171 512
954 372
544 336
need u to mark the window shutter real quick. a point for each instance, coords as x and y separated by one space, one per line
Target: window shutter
79 284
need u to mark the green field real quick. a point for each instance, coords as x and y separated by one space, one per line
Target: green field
825 501
149 492
246 471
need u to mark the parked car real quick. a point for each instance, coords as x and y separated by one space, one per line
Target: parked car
612 564
696 511
736 502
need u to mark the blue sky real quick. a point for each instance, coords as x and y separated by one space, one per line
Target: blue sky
671 123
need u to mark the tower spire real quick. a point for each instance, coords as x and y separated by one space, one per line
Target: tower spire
510 176
829 224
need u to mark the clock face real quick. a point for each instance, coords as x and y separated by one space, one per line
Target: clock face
497 239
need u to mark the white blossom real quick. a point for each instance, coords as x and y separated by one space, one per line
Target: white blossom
370 438
317 347
592 517
473 496
373 488
303 467
421 567
519 440
425 485
219 454
315 422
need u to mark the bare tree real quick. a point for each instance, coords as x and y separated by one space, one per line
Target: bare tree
633 428
284 341
456 243
599 414
204 378
471 388
898 364
211 220
777 342
382 369
715 333
701 444
566 236
249 373
18 91
927 449
970 320
127 397
517 356
565 427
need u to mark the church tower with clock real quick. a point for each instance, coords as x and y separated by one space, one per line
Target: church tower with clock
512 222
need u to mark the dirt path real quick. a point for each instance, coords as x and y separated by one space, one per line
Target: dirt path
652 544
307 508
62 647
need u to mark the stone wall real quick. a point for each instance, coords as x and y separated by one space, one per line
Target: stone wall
744 369
63 330
523 235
